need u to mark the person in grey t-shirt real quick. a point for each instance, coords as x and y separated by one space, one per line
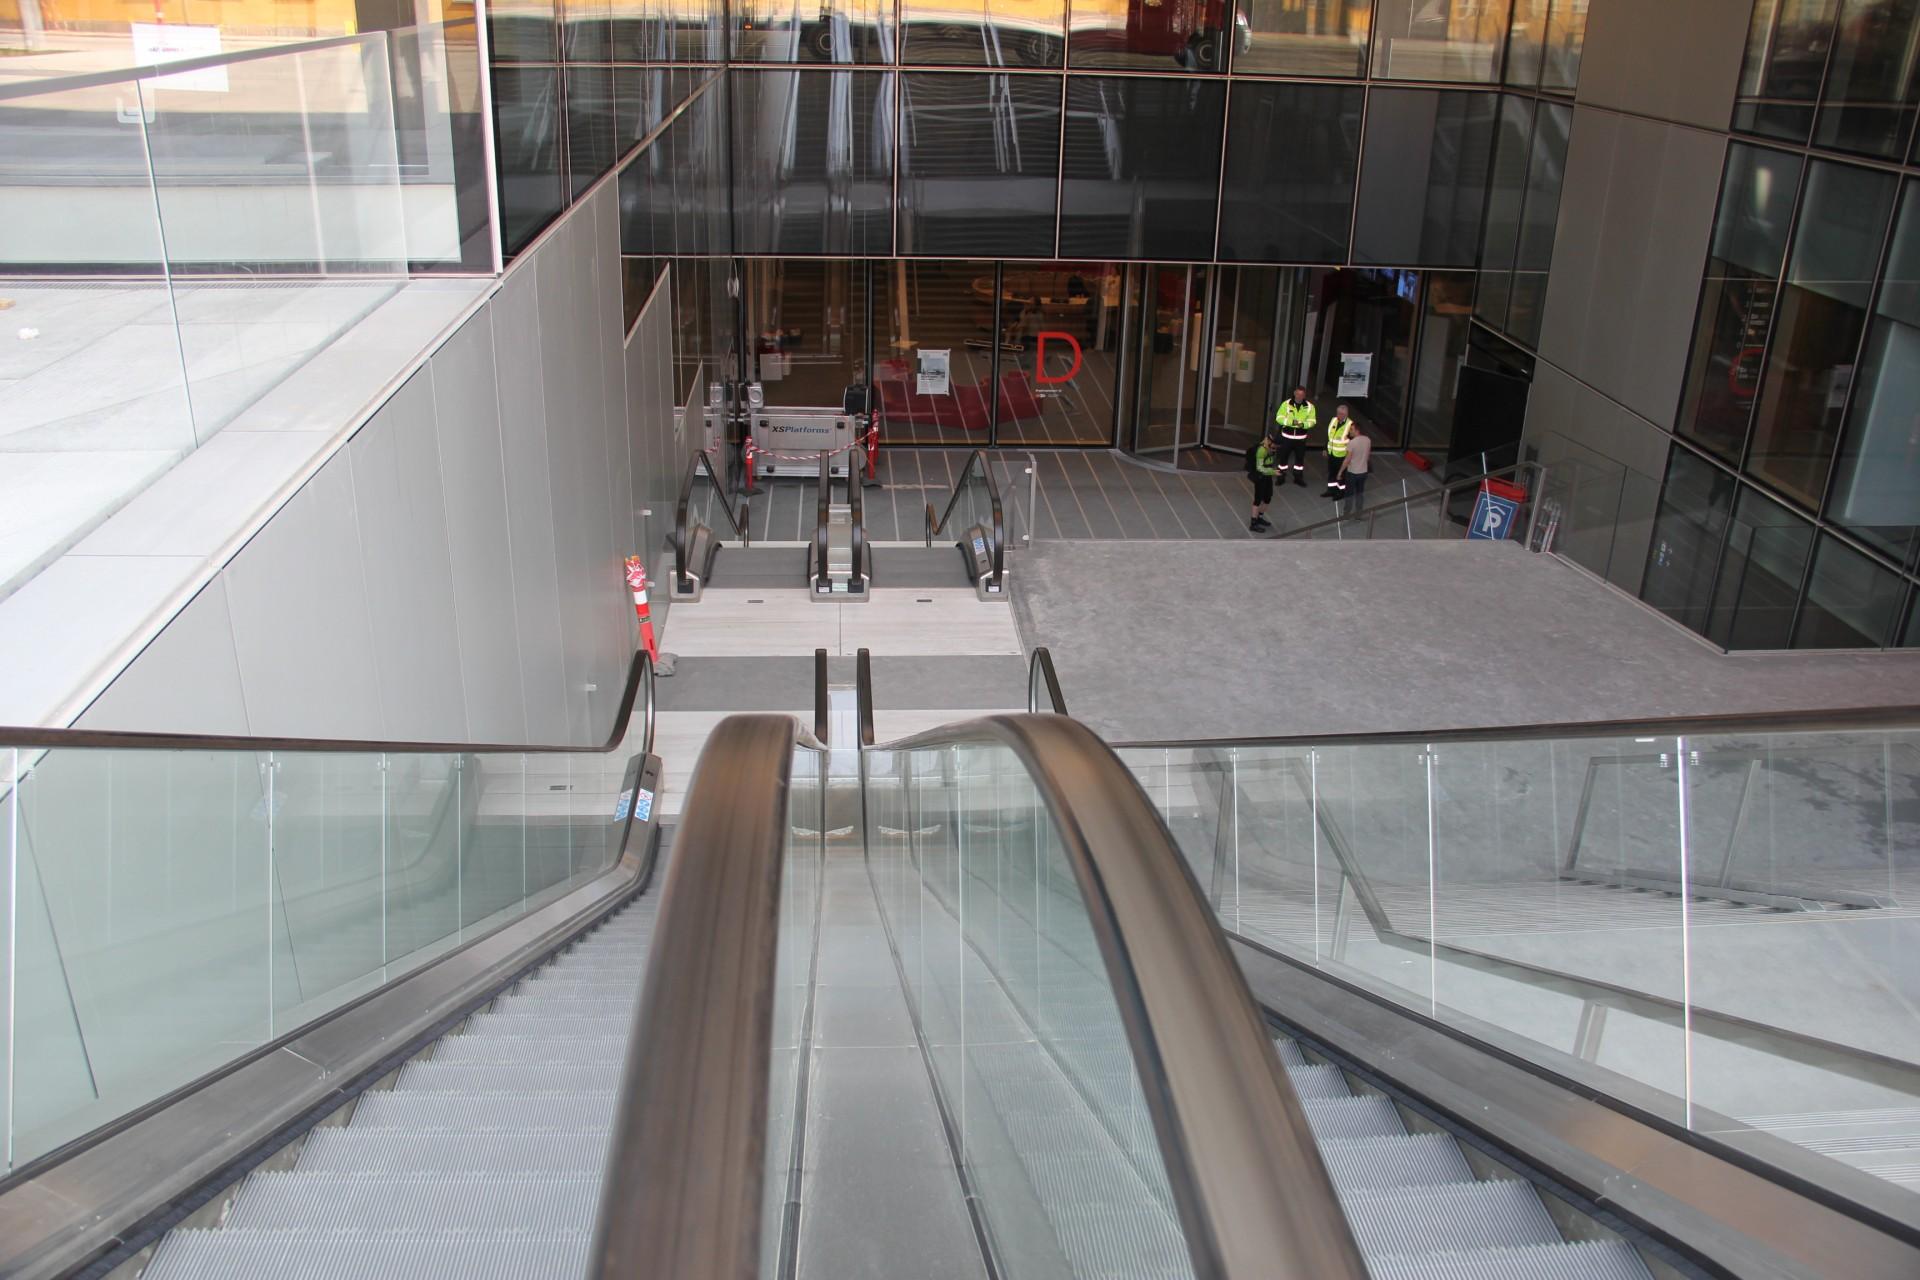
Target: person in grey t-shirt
1353 472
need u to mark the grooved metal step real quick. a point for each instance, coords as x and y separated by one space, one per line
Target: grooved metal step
1290 1054
1577 1260
1320 1081
395 1151
468 1047
1405 1160
1453 1216
228 1254
418 1111
375 1203
1367 1117
496 1077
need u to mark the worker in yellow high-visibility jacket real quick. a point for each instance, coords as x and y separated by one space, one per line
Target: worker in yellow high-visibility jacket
1295 420
1339 440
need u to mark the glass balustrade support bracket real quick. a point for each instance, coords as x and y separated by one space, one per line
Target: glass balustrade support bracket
1702 1197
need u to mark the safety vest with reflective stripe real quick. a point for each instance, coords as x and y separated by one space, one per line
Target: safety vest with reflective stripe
1295 420
1339 433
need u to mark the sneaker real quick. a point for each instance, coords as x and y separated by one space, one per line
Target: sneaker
1257 525
1262 523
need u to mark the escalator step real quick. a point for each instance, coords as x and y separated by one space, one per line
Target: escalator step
372 1204
508 1047
418 1111
313 1255
1289 1052
1581 1260
551 1028
1320 1081
1370 1116
566 1006
375 1151
1458 1215
1104 1243
1414 1159
495 1077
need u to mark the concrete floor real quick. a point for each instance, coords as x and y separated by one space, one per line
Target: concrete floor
1159 640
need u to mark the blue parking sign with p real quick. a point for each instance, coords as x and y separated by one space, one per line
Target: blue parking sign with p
1493 516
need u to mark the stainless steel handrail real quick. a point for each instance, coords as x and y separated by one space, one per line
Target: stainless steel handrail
639 688
1041 678
683 1188
683 525
1253 1194
1445 491
996 512
1826 720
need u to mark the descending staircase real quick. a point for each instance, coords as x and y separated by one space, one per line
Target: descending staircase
484 1158
1417 1207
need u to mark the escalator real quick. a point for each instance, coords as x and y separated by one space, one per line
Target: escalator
838 554
956 1005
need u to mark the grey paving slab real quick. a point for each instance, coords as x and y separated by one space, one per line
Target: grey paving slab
1254 638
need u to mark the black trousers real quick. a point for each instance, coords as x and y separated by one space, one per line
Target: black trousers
1262 490
1293 453
1333 471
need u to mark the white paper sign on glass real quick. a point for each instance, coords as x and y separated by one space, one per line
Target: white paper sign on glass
933 378
1356 373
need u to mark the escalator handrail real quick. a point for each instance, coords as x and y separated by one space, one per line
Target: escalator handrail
858 517
1042 679
821 720
639 689
996 515
863 694
683 1187
682 523
1823 720
1251 1189
822 512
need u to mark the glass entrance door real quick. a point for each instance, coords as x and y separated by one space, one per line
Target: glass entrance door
1167 332
1256 318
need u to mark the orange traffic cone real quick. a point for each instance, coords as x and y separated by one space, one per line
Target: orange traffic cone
637 581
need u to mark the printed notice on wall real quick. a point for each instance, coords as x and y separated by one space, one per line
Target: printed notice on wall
933 379
1356 373
164 42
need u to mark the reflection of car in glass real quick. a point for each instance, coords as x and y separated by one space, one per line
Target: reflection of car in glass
1188 31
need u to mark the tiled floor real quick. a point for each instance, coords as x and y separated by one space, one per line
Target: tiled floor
1096 493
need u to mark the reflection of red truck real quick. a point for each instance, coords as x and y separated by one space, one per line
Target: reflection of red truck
1188 31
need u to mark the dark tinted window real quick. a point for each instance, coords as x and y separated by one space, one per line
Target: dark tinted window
1852 602
838 31
1872 79
1766 556
1787 47
1142 36
1292 150
1423 177
812 161
591 129
1737 297
1695 502
991 33
979 163
1836 249
1136 185
526 103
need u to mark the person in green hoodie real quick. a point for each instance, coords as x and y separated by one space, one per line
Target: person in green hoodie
1263 464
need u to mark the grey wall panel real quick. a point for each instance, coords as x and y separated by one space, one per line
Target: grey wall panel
1635 217
186 681
468 422
302 631
1671 61
408 568
613 370
519 380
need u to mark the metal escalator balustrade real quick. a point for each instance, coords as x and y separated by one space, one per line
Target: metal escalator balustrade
483 1159
1703 921
975 517
217 941
696 542
1110 1098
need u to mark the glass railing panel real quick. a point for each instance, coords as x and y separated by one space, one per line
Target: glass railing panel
171 910
1560 859
1011 993
1803 853
1714 927
141 918
800 889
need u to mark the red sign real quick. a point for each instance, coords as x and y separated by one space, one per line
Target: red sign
1040 356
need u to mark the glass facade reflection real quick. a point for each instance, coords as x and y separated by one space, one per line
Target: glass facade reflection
1292 153
1423 177
1133 184
979 163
